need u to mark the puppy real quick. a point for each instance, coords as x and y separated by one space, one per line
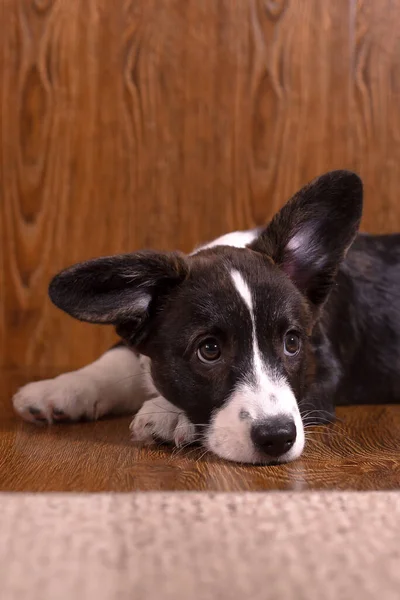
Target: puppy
241 344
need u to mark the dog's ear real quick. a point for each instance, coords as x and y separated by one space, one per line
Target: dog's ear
117 290
309 236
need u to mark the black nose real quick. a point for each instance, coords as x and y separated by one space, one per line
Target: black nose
274 437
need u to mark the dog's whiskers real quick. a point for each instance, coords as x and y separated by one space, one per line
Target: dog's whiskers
203 455
318 411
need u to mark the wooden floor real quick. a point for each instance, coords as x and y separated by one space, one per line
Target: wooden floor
360 452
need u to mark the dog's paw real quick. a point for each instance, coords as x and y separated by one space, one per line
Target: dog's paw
69 397
159 419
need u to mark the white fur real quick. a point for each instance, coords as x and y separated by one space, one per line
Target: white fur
236 239
111 384
265 395
160 418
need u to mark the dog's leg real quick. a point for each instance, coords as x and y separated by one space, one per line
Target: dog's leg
110 385
118 382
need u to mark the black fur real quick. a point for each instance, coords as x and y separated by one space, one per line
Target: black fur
362 323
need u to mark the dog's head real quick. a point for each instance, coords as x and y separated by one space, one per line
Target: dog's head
227 329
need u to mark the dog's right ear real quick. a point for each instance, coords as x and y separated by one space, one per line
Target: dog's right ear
117 289
309 237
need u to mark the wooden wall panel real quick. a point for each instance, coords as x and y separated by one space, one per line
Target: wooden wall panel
162 123
375 122
63 165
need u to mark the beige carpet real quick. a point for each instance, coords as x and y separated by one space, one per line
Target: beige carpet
312 546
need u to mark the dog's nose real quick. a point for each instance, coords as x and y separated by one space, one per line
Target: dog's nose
274 437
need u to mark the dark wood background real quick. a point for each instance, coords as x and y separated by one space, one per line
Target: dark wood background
162 123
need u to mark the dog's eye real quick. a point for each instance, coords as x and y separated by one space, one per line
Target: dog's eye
209 350
292 343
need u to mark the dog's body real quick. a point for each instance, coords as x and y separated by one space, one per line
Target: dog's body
247 340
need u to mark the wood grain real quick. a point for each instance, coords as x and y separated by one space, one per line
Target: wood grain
375 125
360 452
164 123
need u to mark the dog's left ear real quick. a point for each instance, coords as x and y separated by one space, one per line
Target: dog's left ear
310 235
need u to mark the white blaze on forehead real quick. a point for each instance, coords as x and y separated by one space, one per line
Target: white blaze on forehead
244 291
263 378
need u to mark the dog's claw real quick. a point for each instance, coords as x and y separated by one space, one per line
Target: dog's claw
60 416
37 415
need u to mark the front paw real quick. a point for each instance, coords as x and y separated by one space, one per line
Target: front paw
68 397
159 419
